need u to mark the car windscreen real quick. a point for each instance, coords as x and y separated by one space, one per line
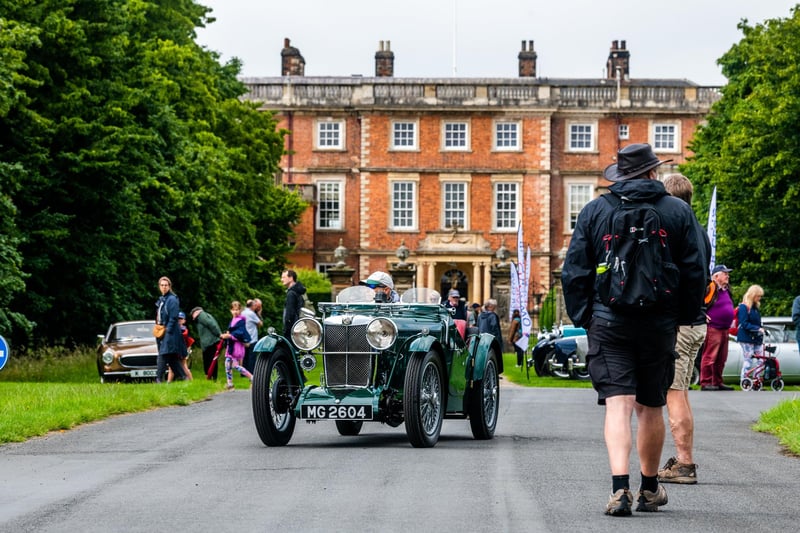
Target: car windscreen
131 331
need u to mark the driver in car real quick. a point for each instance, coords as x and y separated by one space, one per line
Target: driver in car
383 285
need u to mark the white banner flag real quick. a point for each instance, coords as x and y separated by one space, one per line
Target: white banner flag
712 229
520 281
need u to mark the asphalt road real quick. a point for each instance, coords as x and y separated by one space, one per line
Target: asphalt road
203 468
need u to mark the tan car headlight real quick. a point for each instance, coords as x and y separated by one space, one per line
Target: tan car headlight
306 333
108 357
381 333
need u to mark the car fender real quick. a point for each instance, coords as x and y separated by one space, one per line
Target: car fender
423 343
267 345
480 353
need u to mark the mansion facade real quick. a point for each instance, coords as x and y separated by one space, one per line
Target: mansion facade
430 178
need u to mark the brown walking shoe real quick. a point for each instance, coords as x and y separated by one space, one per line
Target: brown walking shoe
619 504
675 472
649 502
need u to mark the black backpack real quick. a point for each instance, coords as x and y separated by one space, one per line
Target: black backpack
635 271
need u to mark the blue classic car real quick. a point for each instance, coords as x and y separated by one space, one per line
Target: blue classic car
408 362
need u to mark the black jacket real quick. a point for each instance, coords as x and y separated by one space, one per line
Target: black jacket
586 246
294 302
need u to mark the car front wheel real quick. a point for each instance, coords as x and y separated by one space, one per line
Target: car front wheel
423 403
484 401
273 383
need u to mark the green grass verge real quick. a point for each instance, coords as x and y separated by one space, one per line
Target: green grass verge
522 377
783 421
59 389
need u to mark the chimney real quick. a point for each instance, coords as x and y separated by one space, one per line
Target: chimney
292 63
527 61
618 58
384 60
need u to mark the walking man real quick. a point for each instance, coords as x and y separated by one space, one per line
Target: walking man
720 317
294 301
631 352
209 332
681 467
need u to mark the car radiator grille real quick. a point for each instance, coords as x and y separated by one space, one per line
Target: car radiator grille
139 361
348 358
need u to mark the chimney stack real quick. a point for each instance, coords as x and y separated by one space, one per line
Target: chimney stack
618 58
384 60
527 61
292 63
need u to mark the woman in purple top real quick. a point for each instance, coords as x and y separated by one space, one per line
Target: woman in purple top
720 318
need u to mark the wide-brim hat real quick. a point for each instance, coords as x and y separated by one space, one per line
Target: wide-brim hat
632 161
377 279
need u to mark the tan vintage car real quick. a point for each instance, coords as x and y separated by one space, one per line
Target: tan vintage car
127 352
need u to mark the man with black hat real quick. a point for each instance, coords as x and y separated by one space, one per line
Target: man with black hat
720 313
631 355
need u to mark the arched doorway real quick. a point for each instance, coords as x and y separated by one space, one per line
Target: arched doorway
454 279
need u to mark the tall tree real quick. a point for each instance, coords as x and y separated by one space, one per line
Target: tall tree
132 168
750 150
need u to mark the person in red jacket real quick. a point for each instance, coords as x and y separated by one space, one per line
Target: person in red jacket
184 358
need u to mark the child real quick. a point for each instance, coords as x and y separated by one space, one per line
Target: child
189 341
238 338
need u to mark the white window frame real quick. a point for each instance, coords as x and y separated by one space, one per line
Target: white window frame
396 129
445 183
505 181
411 181
571 186
323 268
623 132
517 132
573 125
324 129
322 187
657 134
466 147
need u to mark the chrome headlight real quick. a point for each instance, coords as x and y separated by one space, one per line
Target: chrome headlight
108 357
381 333
306 333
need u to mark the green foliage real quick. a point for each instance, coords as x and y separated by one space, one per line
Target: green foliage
547 311
750 150
138 160
317 285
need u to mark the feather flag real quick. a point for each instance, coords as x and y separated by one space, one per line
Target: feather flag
520 281
712 229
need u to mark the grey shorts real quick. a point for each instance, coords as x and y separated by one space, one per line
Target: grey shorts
690 340
631 357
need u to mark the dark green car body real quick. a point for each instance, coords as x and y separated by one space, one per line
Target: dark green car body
393 363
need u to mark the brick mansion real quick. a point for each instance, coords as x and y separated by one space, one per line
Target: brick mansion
429 178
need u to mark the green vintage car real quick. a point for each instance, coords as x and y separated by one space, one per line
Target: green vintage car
381 362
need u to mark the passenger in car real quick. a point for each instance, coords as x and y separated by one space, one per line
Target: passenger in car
383 285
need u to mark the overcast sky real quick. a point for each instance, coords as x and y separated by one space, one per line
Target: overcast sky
481 38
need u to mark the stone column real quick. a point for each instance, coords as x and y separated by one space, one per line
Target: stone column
430 279
477 283
341 277
403 276
487 283
421 274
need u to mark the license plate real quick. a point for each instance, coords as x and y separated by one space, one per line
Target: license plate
148 373
336 412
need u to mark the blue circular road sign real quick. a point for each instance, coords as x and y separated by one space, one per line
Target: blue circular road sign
3 352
